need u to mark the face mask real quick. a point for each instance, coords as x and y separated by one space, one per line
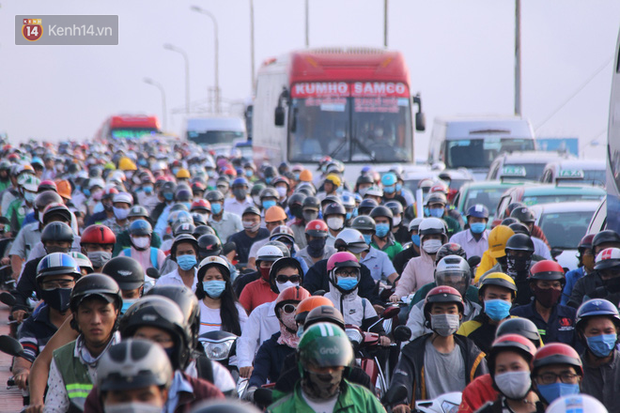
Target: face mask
396 221
251 226
249 173
188 205
316 247
284 286
497 309
431 246
348 216
187 262
389 189
121 213
516 265
99 258
140 242
240 193
147 189
367 238
310 215
300 331
214 288
321 386
132 407
281 191
362 191
553 391
264 273
58 298
445 324
29 197
602 345
256 200
612 285
335 223
514 384
288 320
547 297
216 208
86 192
416 240
168 196
478 227
399 187
175 170
436 212
127 303
268 204
347 283
268 180
382 230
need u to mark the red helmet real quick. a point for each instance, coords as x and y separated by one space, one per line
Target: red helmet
585 243
282 231
47 185
316 228
439 187
201 204
342 259
279 179
547 270
98 234
442 294
557 353
511 342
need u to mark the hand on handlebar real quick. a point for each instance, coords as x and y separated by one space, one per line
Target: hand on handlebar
384 341
18 315
21 379
401 408
246 372
34 408
394 298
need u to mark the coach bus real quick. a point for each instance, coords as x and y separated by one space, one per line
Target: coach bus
613 148
129 127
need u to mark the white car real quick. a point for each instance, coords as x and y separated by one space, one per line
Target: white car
564 224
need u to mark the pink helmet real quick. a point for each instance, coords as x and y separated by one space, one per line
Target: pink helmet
342 259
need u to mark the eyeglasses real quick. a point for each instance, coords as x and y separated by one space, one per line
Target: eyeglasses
550 378
283 278
347 273
289 308
52 285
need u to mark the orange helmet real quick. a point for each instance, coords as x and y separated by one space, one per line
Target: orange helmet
274 214
64 188
310 304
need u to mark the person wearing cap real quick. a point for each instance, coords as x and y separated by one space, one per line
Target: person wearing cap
129 276
496 253
147 197
252 232
223 221
274 217
475 239
330 186
240 199
123 239
436 206
411 249
121 204
585 266
389 181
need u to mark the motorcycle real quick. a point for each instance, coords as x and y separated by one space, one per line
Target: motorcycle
12 347
221 346
446 403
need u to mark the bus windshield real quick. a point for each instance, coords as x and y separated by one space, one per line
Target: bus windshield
351 129
214 137
480 153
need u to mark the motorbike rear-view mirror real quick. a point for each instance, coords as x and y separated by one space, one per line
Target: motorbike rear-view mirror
7 299
152 272
391 312
395 394
402 333
11 346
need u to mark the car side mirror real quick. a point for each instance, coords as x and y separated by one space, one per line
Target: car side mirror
279 116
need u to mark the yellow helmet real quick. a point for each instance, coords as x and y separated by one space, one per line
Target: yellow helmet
126 164
334 179
183 173
498 279
498 237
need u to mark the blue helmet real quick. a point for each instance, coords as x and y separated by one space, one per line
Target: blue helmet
389 179
240 181
140 227
596 307
478 211
58 263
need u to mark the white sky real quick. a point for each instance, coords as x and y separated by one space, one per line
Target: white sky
460 55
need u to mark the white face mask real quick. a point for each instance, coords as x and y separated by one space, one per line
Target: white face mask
431 246
396 221
281 191
445 324
132 407
514 384
141 242
284 286
335 223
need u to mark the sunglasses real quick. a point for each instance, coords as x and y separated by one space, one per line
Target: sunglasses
283 278
289 308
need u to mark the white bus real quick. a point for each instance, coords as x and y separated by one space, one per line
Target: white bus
613 149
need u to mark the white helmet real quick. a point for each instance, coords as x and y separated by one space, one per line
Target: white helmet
576 403
432 225
453 271
269 253
352 240
415 224
374 191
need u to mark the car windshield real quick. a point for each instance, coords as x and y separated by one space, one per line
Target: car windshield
479 153
533 171
489 197
565 229
554 199
595 177
214 137
351 129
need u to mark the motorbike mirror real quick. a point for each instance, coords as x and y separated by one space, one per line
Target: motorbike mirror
402 333
320 292
263 397
395 394
152 272
11 346
555 252
8 299
391 312
473 261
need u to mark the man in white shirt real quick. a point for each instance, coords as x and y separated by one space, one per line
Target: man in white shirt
475 239
240 200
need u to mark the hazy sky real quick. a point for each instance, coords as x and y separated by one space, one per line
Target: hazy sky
460 55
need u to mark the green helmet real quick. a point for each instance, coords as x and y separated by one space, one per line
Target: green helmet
324 345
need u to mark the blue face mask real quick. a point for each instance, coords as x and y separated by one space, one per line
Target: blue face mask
436 212
126 304
147 189
268 180
382 230
187 262
216 208
416 240
249 173
268 204
86 192
175 170
214 288
355 213
347 283
389 189
367 238
497 309
348 216
296 176
552 391
602 345
188 205
478 227
300 331
399 187
168 196
427 212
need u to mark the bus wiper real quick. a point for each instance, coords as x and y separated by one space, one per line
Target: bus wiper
335 151
364 149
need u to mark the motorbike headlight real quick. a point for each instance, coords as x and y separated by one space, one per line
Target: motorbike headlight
217 351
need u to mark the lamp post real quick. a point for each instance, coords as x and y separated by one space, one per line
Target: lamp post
163 100
173 48
217 74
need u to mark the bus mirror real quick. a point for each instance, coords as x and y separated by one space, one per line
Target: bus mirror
279 116
294 120
420 122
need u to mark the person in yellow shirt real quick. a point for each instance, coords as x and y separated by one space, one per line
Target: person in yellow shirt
497 243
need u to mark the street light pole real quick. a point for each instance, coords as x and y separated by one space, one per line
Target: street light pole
173 48
164 116
307 25
217 53
252 43
385 23
518 57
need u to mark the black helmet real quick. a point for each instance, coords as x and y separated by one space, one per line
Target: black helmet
519 228
363 223
363 179
96 285
520 242
605 237
509 221
182 238
138 211
214 196
201 230
523 214
334 209
366 206
269 192
282 263
186 228
209 245
520 326
186 299
134 364
512 206
256 189
251 210
329 199
126 271
297 198
451 248
198 219
45 198
160 312
57 231
436 198
311 202
382 211
394 206
55 210
324 313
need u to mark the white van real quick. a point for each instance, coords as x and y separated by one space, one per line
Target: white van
216 133
473 143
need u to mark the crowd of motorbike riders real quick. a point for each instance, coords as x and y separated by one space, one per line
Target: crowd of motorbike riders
122 256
